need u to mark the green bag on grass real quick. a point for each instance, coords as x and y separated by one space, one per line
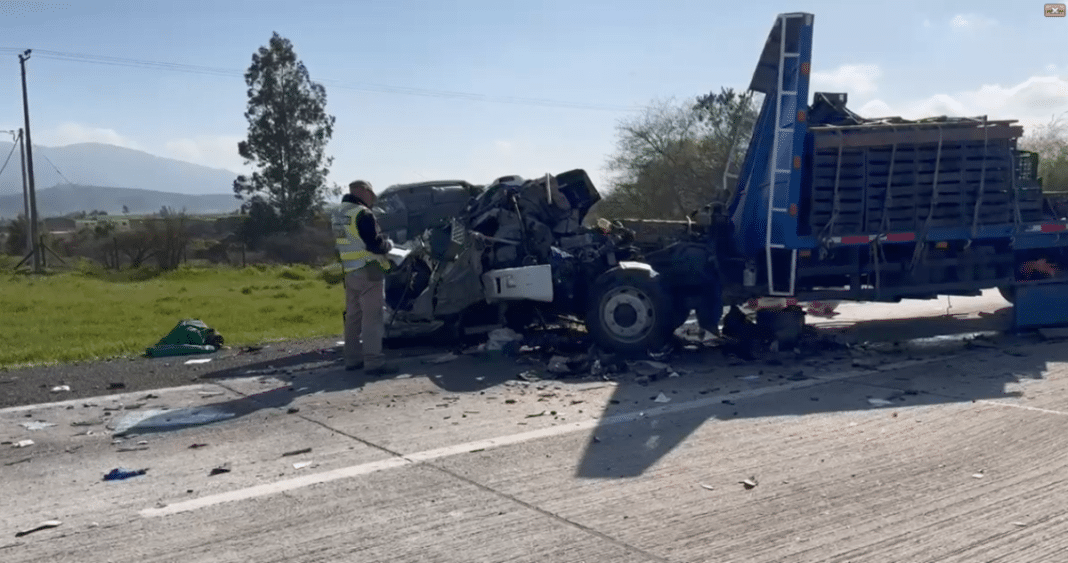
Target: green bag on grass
190 336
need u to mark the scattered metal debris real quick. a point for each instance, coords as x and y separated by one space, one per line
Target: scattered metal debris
23 444
707 487
301 464
36 425
1053 333
879 402
42 526
120 473
197 361
662 398
224 468
749 483
297 452
61 389
442 359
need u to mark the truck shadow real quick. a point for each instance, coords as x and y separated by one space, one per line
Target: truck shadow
316 372
636 432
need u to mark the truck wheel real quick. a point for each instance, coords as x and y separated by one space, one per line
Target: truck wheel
1008 292
630 313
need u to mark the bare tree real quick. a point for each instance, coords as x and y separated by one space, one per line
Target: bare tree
1050 141
670 159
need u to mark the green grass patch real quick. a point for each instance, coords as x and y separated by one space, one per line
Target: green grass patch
89 313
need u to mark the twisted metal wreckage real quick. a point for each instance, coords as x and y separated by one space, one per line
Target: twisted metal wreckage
473 258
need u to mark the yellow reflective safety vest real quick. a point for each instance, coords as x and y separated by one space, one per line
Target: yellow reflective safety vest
351 250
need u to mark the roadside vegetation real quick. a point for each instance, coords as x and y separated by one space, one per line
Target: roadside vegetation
93 313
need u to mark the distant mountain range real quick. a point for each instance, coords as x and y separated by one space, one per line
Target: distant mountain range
88 176
61 200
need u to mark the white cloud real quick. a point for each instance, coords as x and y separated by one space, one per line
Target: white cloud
216 151
926 23
1032 102
971 21
855 79
71 133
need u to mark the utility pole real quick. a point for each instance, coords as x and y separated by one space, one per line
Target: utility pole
25 192
28 144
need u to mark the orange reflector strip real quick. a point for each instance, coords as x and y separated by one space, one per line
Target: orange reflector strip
1053 228
801 116
805 253
858 239
793 210
942 245
805 67
797 162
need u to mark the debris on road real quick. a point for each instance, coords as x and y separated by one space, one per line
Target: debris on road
116 385
121 473
16 462
61 389
879 402
224 468
1053 333
542 413
558 364
301 464
979 475
662 398
42 526
211 393
529 376
442 359
707 487
197 446
197 361
499 338
23 444
650 369
297 452
749 483
292 410
36 425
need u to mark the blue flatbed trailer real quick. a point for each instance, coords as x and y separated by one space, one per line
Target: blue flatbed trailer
831 206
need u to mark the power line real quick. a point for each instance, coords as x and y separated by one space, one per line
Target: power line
56 169
357 86
13 146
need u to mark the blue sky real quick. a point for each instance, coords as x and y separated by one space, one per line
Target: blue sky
1001 58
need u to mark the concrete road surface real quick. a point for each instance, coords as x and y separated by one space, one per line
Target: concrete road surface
885 455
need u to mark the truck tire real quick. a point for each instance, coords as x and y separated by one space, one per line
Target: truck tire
629 312
1008 292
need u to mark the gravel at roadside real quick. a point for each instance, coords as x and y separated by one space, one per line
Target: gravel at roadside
33 385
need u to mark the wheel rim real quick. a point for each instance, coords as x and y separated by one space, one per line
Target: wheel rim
628 314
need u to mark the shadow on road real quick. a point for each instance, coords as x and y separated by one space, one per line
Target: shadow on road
320 372
625 446
628 445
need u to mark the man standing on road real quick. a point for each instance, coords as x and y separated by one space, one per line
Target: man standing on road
362 249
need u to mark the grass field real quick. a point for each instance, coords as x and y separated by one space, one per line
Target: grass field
90 314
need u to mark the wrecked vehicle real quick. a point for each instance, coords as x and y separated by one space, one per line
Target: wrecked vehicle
827 206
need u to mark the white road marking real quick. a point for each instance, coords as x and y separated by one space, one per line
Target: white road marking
131 397
552 431
1025 407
